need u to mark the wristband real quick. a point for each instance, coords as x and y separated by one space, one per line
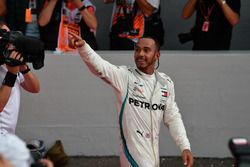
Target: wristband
9 79
25 71
82 8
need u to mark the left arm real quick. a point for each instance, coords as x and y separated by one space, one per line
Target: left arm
88 14
173 120
2 8
232 17
146 8
31 82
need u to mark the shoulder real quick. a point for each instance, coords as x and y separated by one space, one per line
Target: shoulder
88 3
165 80
165 77
127 70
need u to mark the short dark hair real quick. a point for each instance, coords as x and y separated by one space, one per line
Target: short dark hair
157 43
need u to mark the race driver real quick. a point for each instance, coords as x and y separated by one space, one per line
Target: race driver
145 98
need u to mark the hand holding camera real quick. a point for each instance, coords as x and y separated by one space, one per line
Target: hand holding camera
13 62
27 49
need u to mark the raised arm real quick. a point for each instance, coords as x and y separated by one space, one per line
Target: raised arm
88 13
46 13
189 9
232 17
31 85
112 74
2 8
31 82
146 8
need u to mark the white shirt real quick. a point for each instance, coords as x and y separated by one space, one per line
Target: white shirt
9 115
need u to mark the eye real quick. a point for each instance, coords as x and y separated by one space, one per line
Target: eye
137 49
146 50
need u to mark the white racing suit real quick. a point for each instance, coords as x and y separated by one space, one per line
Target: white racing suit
142 105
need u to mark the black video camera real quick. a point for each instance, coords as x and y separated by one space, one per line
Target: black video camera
30 48
240 149
186 37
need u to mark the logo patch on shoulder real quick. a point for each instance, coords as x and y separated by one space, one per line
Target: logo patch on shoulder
164 91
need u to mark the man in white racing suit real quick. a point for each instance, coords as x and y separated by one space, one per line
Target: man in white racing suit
145 98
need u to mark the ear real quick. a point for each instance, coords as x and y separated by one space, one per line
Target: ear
157 55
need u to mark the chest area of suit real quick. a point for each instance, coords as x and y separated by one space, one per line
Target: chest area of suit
147 94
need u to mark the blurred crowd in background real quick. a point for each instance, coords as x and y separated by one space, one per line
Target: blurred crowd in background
51 20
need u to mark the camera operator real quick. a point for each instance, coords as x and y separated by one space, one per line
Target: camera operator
11 79
214 22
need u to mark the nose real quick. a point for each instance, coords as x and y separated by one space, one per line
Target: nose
140 53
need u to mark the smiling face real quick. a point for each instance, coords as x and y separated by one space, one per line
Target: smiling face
146 54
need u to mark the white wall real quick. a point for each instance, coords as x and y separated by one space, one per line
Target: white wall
212 90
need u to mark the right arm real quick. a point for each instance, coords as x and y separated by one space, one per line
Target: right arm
114 75
189 9
46 13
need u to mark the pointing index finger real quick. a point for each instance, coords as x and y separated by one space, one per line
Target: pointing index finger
72 35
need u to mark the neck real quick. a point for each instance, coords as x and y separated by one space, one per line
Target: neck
146 71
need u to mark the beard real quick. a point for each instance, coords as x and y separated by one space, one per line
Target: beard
145 64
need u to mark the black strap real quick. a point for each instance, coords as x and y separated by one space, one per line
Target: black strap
9 79
26 70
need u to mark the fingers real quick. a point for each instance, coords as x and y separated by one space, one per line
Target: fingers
76 40
189 161
72 35
187 158
17 56
185 161
13 61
